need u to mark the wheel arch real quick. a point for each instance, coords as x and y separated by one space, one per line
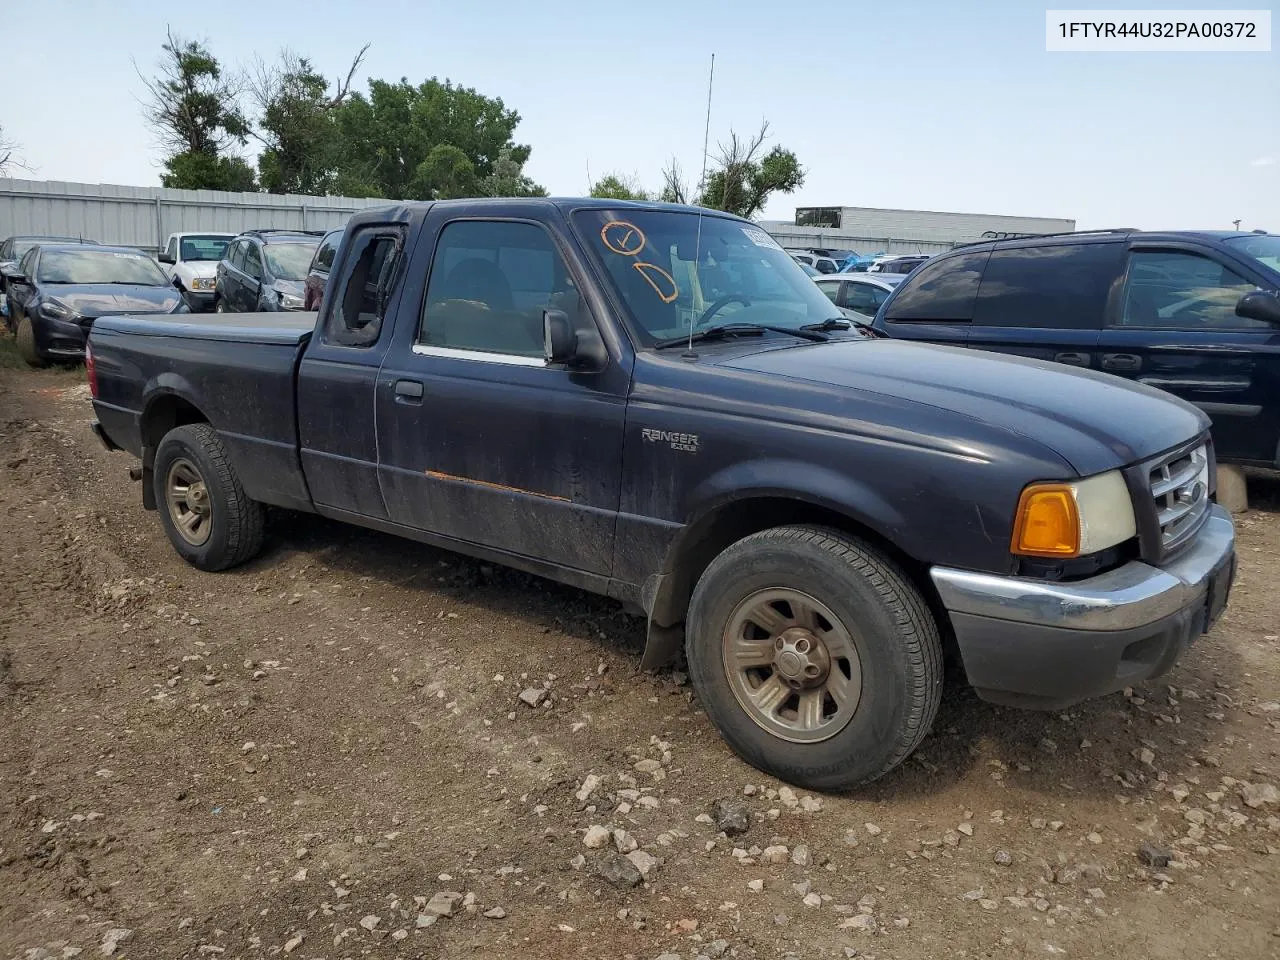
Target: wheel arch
165 409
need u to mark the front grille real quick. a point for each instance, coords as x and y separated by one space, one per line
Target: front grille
1179 485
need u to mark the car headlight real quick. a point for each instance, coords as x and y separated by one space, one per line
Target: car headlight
290 302
202 283
1065 520
55 310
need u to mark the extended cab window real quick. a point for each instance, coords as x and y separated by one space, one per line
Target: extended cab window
489 283
1059 287
1183 291
943 291
356 317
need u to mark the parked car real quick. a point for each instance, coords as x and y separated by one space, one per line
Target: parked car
820 263
808 270
11 251
264 270
859 295
900 264
58 290
318 272
191 262
541 383
1194 313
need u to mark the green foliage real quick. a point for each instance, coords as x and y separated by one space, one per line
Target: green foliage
446 173
192 170
300 150
508 179
744 180
614 186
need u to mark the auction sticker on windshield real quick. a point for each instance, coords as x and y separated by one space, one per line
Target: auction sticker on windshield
760 238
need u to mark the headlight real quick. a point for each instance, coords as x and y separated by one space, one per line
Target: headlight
290 302
202 283
1066 520
54 310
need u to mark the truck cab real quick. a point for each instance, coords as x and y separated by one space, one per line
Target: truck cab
191 261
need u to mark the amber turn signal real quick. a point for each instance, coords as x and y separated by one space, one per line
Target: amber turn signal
1048 523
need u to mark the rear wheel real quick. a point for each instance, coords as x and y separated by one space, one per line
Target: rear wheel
26 341
815 656
218 306
209 519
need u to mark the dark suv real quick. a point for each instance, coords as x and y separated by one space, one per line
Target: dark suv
264 270
1194 313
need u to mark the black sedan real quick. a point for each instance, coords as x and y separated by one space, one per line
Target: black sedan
59 289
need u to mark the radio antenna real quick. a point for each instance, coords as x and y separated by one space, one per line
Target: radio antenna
702 178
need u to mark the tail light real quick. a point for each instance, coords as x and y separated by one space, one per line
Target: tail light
91 371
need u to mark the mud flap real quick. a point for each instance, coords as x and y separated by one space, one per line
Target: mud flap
661 645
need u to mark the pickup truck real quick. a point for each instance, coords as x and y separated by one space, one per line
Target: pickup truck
655 403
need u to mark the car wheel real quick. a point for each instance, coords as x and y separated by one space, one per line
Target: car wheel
209 519
27 343
219 306
814 655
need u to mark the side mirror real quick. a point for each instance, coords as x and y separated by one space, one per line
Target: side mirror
1260 305
17 278
165 258
559 342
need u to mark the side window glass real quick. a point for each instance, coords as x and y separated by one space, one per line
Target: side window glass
1055 287
1183 291
328 248
172 251
831 288
490 282
237 254
942 292
861 297
27 264
357 315
253 261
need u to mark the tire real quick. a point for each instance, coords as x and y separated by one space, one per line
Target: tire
26 339
218 306
228 529
863 605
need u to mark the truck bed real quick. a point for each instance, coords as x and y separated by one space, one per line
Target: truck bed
240 378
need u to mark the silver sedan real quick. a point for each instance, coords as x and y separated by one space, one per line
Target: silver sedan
859 295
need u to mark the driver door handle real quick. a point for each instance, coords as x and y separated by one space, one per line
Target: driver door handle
1074 358
1121 362
409 391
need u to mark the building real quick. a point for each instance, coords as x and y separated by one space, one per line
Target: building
871 230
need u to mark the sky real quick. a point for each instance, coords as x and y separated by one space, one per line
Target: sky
922 105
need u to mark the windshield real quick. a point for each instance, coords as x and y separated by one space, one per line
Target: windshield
1264 249
99 266
204 248
22 244
741 274
289 261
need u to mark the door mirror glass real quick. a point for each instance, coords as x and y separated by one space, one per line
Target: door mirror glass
559 342
165 257
1260 305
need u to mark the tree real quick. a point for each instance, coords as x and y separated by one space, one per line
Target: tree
194 109
7 161
673 185
388 139
744 180
614 186
297 124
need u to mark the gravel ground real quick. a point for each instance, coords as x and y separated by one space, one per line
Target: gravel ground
358 746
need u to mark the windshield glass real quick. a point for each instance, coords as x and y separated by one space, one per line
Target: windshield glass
22 244
289 261
204 248
741 275
1266 250
99 266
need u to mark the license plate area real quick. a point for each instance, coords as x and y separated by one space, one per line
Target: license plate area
1219 589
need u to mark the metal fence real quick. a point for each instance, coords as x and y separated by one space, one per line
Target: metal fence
145 216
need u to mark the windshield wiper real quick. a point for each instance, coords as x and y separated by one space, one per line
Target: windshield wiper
844 323
741 330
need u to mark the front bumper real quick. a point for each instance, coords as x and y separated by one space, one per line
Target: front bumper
58 339
1036 643
199 300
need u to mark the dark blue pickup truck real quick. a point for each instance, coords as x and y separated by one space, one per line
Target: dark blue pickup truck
655 403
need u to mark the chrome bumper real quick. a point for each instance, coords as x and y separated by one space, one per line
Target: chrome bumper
1129 596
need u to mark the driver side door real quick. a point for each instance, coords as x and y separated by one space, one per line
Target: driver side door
1175 328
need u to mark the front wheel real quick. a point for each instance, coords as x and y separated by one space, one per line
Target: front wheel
219 306
814 656
26 343
205 512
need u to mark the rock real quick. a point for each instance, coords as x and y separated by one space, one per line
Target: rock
1003 857
588 787
975 894
624 841
902 922
800 855
425 920
112 939
646 863
810 804
716 948
802 888
872 829
370 922
812 900
293 943
620 872
788 798
1094 837
443 903
775 854
533 696
733 817
755 886
596 837
966 829
863 921
1255 795
1151 855
495 913
648 766
1233 492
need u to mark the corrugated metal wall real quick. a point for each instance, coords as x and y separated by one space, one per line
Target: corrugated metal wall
145 216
